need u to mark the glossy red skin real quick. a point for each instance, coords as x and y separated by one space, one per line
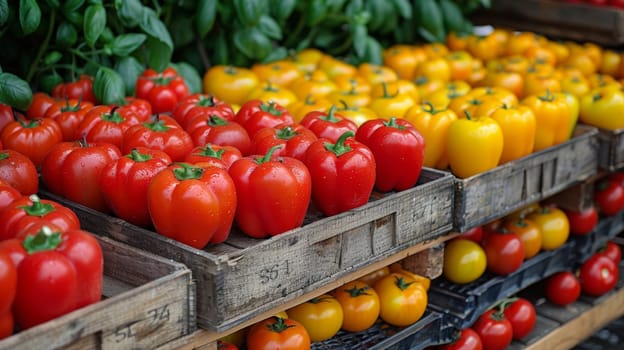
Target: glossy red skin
142 108
616 3
6 115
273 196
495 334
72 170
504 252
609 197
16 216
330 125
598 275
81 89
54 282
468 340
162 90
223 345
255 115
399 151
295 141
104 124
522 316
163 133
613 251
7 325
618 177
215 155
69 114
193 211
474 234
124 183
7 194
340 183
563 288
8 281
32 138
219 131
39 105
19 171
201 106
582 222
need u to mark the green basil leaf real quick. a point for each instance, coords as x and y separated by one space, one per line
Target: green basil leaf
453 17
66 35
360 33
75 18
108 86
430 20
158 53
220 50
52 57
315 12
54 4
129 68
282 9
14 91
94 23
49 81
155 28
4 12
72 5
373 51
130 12
403 7
29 16
182 31
125 44
250 11
190 75
252 43
275 55
206 15
270 28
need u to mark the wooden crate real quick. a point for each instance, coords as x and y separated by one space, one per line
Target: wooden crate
244 277
147 301
557 19
498 192
611 156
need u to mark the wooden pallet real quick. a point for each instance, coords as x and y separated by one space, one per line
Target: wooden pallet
147 301
245 277
557 19
498 192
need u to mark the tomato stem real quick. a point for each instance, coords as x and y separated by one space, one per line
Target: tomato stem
37 208
215 120
331 116
339 148
286 133
43 240
268 155
139 157
188 172
279 325
209 151
392 123
356 292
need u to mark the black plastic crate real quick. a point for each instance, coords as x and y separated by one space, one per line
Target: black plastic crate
463 304
432 329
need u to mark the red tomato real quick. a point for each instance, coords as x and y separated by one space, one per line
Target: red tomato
219 131
69 114
6 324
106 124
467 339
163 133
32 138
81 89
296 139
582 222
214 155
223 345
598 275
201 106
7 194
494 329
19 171
162 90
504 252
613 251
563 288
8 281
39 105
474 234
521 314
6 115
609 196
256 114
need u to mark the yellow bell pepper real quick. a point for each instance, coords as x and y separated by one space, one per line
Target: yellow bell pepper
433 125
574 107
603 108
359 115
552 115
518 127
391 105
474 145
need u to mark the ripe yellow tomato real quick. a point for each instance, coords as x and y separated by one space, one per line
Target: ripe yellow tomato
279 72
464 261
403 301
321 316
554 225
272 92
372 277
360 305
230 84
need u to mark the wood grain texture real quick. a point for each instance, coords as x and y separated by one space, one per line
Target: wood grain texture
581 22
244 276
500 191
140 309
611 156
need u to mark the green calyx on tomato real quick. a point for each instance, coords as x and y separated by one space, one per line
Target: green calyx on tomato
208 101
158 125
268 155
279 325
45 239
71 108
4 155
209 151
113 117
548 97
356 292
37 208
401 283
270 108
188 172
331 115
339 148
392 123
215 120
137 156
286 133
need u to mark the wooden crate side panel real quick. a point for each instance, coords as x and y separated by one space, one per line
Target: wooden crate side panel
577 161
611 149
142 317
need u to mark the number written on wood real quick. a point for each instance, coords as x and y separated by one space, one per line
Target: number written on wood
154 318
274 272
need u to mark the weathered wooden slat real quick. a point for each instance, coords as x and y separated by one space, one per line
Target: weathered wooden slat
498 192
581 22
141 309
234 285
611 156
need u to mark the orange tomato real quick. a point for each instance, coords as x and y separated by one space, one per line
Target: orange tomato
272 92
435 50
610 64
457 42
460 64
321 316
360 305
529 233
402 300
335 67
315 84
506 79
372 277
435 69
307 59
536 84
484 47
519 43
376 74
424 281
352 83
400 86
278 333
403 59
